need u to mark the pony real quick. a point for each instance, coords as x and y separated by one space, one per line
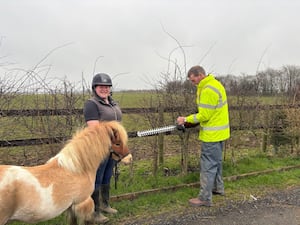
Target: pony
65 182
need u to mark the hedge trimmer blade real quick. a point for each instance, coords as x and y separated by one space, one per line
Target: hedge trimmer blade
160 130
156 131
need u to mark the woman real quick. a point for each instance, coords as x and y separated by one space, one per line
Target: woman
102 107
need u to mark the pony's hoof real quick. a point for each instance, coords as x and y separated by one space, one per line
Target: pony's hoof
98 218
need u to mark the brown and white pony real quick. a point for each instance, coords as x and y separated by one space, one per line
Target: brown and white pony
66 181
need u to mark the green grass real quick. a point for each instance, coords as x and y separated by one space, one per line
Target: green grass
126 99
134 99
150 204
257 163
263 100
143 178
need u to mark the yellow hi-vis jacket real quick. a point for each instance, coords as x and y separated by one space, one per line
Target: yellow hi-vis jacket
212 111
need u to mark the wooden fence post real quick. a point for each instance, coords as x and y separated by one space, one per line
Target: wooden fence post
265 131
161 136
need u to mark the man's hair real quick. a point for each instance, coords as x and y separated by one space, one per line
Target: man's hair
196 71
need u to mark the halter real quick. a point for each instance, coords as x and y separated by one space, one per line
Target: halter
114 152
119 156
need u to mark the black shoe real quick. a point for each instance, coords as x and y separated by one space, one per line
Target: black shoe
218 193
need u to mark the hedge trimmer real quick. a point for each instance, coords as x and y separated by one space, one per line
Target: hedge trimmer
160 130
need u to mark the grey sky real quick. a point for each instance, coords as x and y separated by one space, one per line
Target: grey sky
126 36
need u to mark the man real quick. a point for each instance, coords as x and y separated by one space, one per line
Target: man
213 118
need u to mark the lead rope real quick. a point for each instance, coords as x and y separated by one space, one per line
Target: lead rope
116 174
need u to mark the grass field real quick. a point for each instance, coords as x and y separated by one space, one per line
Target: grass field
126 99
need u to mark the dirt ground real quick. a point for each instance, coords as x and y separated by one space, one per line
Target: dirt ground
277 208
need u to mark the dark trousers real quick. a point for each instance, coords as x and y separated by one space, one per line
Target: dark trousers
104 172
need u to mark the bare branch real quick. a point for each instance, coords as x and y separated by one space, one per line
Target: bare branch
179 45
95 63
261 58
48 54
207 52
169 60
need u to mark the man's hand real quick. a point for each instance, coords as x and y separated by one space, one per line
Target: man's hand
127 159
180 120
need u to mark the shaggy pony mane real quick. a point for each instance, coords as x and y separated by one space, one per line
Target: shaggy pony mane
90 146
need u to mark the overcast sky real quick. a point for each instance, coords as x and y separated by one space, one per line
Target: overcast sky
133 38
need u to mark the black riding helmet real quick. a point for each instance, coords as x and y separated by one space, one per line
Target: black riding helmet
101 79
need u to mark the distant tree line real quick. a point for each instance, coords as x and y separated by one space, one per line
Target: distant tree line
283 81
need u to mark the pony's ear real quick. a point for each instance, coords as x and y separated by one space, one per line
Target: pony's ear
114 134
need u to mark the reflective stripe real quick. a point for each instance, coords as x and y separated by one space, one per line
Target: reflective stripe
216 128
221 103
195 119
206 106
214 89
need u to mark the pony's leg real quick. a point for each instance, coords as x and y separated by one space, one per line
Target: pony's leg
71 217
3 221
5 214
84 211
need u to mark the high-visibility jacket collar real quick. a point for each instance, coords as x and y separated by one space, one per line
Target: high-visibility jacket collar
204 81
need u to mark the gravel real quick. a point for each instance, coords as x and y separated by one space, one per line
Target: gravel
277 208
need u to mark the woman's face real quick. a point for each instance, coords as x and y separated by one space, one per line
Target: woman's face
103 91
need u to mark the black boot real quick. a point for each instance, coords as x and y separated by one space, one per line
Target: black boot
98 216
104 206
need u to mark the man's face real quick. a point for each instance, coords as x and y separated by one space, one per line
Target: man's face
195 79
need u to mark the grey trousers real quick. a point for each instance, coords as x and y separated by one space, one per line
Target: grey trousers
211 169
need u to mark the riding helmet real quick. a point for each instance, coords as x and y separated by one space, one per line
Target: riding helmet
101 79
